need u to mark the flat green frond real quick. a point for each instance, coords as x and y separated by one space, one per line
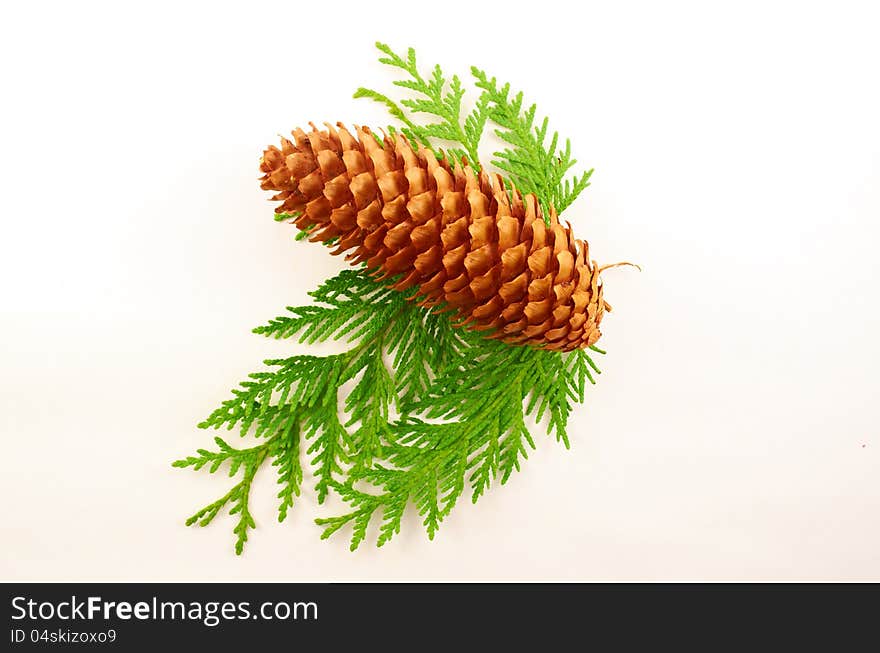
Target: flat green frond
368 407
250 461
474 434
392 106
286 456
533 163
437 96
350 306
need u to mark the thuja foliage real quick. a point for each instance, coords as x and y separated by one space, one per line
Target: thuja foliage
417 411
532 160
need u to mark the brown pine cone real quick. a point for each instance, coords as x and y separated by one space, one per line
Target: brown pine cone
461 238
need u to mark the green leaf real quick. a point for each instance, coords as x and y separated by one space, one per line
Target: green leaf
435 96
533 164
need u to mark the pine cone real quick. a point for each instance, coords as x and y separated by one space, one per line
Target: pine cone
461 238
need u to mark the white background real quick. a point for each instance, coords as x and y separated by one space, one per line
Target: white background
733 433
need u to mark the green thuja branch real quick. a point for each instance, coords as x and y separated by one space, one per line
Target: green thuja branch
532 163
464 402
474 431
294 403
435 96
250 461
285 453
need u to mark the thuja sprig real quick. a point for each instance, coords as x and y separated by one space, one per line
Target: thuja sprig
463 401
295 400
482 403
435 96
533 161
250 460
